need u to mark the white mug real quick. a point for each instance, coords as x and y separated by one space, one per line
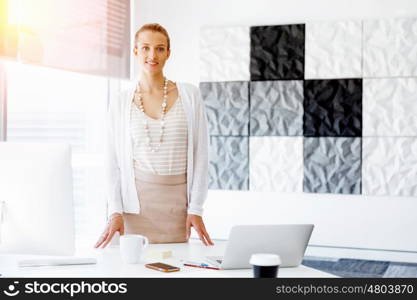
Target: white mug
132 247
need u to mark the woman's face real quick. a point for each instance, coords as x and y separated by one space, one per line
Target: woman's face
152 51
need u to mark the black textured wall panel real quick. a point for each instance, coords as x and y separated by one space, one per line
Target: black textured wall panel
333 108
277 52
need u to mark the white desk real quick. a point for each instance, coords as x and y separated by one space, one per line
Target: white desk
109 264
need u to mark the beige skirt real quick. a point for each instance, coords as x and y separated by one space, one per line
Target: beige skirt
163 208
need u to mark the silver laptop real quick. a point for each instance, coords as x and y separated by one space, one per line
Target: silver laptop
289 241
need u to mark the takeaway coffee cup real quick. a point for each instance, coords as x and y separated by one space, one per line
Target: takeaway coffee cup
132 247
265 265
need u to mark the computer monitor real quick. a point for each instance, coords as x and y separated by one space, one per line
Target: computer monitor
37 195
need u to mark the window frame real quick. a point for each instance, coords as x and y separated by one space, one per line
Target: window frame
3 101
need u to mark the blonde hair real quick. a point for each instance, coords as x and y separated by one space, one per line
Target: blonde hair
155 27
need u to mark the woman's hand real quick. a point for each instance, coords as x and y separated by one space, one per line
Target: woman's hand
115 224
198 224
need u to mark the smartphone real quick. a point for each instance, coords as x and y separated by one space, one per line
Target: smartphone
162 267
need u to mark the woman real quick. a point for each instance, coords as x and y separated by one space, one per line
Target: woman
157 152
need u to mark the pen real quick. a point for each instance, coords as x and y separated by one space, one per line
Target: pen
198 265
201 266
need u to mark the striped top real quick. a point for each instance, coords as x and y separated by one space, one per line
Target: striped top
171 158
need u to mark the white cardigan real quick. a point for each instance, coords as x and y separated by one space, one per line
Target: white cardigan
121 188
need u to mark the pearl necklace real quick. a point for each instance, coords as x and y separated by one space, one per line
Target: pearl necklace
138 100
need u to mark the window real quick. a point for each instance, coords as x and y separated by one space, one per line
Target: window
64 60
91 37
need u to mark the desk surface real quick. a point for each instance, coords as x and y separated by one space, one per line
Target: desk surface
110 264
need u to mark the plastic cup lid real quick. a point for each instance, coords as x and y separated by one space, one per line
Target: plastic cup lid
265 259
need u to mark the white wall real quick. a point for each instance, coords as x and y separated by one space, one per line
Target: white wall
347 221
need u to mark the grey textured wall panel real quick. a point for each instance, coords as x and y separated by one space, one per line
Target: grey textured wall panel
390 107
224 54
333 49
229 163
227 106
276 164
332 165
390 47
389 166
276 108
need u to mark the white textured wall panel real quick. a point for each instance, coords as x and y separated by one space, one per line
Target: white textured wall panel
406 105
390 47
224 54
276 164
389 166
390 107
333 49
